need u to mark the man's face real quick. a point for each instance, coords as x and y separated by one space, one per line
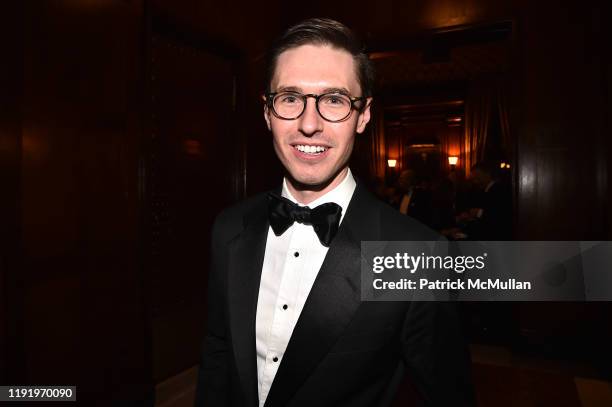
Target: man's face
315 69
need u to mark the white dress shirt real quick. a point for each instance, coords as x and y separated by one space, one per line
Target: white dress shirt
291 264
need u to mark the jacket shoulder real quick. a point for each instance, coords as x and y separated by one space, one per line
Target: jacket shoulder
230 221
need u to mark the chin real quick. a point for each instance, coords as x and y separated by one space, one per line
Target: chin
314 180
310 181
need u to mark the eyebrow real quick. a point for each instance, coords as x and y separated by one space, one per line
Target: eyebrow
343 91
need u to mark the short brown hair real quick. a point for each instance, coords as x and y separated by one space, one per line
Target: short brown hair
324 31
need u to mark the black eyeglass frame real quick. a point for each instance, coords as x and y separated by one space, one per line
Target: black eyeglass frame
270 103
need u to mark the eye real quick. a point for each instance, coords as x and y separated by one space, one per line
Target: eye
335 100
288 98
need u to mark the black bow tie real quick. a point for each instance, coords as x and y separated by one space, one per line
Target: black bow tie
325 218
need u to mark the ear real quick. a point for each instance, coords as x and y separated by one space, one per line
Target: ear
364 117
266 113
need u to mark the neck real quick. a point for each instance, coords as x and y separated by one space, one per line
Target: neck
305 194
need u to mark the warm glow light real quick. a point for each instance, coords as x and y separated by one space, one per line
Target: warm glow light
502 165
392 163
421 146
192 147
452 160
507 165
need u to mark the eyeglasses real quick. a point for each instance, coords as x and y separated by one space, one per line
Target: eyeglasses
333 107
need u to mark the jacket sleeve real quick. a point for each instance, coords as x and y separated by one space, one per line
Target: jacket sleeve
213 377
436 355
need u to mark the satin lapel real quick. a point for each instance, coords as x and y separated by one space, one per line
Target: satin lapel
332 301
246 256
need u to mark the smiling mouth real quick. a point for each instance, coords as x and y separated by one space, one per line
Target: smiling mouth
311 150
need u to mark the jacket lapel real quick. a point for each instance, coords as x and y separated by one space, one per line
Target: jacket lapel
333 299
246 254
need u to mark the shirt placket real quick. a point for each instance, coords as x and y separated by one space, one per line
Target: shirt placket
283 320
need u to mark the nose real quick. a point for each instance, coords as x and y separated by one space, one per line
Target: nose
310 122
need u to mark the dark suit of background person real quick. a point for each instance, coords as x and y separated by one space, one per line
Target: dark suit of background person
415 197
495 202
343 352
496 219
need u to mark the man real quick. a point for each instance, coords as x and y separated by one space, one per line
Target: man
492 219
286 324
415 199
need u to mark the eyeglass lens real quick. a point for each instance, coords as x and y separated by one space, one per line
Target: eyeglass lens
332 106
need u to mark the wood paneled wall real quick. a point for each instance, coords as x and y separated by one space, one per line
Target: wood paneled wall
11 286
193 165
561 122
77 288
120 142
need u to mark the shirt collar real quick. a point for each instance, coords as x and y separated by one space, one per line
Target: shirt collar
340 195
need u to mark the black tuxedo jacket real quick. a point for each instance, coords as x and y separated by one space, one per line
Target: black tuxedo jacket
343 352
496 220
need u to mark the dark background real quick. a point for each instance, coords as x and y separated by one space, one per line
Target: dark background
126 125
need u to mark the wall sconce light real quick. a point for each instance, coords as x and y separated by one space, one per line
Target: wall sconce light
453 159
454 121
504 165
392 163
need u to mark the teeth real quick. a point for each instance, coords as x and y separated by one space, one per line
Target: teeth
310 149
